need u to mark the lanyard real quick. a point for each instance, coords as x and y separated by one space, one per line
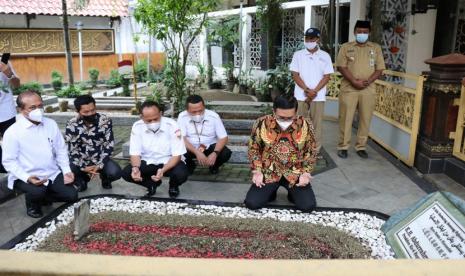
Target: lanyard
197 132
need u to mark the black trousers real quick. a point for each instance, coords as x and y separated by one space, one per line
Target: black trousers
55 191
222 157
178 174
304 198
3 127
111 172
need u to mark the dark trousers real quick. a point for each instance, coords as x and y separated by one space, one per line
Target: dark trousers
304 198
3 127
111 172
178 174
55 191
222 157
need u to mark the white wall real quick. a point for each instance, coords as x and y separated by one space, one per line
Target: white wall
420 44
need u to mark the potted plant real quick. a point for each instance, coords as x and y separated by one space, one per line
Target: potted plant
251 86
229 74
279 81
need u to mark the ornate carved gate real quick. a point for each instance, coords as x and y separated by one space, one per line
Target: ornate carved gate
459 137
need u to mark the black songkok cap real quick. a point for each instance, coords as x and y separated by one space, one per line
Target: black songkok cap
363 24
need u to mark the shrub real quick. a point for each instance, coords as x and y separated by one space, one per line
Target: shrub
141 70
125 81
114 80
57 80
69 92
29 86
93 76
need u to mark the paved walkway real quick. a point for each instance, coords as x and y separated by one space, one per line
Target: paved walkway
373 184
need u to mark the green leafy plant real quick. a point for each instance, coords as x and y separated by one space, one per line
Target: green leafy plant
125 82
114 80
29 86
93 76
202 72
57 80
156 93
141 70
176 24
270 14
69 92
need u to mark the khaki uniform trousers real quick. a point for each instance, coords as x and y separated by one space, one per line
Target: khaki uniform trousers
348 102
313 113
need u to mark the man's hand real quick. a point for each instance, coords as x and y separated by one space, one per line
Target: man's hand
158 176
366 83
35 180
92 171
135 174
257 179
201 158
304 180
68 178
358 84
212 159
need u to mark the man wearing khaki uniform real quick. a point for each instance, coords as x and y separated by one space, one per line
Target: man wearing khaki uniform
361 63
311 69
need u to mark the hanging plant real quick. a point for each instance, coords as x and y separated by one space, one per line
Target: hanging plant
399 30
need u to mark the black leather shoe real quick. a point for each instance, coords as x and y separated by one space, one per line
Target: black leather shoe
34 212
81 186
106 185
363 154
290 198
151 190
173 191
213 170
273 196
342 153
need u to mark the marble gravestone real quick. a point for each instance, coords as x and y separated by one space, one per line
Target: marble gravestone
81 219
434 228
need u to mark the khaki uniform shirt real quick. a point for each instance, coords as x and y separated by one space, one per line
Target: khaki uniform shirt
361 61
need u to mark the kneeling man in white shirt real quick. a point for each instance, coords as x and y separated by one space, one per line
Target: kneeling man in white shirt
156 148
36 157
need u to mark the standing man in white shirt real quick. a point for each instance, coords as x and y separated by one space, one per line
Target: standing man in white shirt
8 81
156 148
311 69
36 157
204 135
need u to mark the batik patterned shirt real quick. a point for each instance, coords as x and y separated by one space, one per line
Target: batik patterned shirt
277 153
89 145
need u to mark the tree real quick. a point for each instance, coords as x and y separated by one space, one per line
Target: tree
270 14
69 57
78 5
176 24
225 33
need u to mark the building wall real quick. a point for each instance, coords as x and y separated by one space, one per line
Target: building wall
38 68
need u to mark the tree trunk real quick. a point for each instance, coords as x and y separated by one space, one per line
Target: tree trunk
376 26
209 63
69 57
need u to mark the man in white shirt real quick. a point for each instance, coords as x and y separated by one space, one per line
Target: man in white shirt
8 81
204 135
156 148
311 69
36 157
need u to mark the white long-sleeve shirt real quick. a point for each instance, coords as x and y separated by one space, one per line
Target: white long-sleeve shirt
34 150
7 103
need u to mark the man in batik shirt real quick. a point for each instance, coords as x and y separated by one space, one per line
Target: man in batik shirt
282 152
90 143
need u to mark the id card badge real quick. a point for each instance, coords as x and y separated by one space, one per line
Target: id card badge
372 58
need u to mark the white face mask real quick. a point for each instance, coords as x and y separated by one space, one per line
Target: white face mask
154 127
361 38
197 118
310 45
284 124
36 115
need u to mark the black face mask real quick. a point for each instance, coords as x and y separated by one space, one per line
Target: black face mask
92 119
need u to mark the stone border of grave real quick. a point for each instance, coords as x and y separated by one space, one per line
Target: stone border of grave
360 223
